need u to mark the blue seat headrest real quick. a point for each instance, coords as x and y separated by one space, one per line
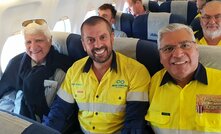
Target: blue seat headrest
74 47
147 54
152 6
124 23
146 26
186 9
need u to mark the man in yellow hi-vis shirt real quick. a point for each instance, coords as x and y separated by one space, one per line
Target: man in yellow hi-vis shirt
210 21
109 88
185 96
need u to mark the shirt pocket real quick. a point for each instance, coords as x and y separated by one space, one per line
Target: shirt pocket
158 118
208 122
116 97
79 94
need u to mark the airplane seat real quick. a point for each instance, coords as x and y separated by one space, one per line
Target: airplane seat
209 56
11 123
146 26
143 51
187 9
69 44
124 23
152 6
195 24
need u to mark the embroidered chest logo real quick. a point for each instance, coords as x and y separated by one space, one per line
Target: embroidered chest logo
208 103
77 84
119 84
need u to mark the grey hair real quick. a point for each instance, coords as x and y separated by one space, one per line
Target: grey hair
171 28
34 28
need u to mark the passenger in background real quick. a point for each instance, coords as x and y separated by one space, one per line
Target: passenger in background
34 75
136 7
199 4
210 21
109 12
183 96
109 88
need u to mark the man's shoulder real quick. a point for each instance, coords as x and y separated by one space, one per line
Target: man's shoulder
79 63
126 61
159 74
213 71
17 59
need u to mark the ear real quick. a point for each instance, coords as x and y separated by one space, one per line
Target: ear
112 38
50 40
113 21
83 44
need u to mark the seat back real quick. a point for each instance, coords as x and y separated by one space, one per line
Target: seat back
143 51
146 26
209 56
195 24
69 44
11 123
124 23
152 6
186 9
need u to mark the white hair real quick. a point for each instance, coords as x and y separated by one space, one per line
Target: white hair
34 28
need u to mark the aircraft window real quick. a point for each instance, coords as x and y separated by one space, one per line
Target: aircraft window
63 25
90 13
13 46
125 8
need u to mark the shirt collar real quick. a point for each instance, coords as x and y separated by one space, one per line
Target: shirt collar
33 63
199 74
89 62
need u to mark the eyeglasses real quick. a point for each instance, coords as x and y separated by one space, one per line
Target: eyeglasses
184 45
208 17
37 21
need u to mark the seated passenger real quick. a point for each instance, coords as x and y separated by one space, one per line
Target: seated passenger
109 88
136 7
36 74
108 12
210 21
183 96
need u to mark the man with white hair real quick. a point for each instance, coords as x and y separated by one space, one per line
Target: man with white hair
210 21
36 73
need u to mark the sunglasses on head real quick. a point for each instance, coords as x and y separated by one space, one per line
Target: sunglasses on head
37 21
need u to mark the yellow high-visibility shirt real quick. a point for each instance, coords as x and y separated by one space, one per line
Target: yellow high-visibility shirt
202 41
102 105
196 108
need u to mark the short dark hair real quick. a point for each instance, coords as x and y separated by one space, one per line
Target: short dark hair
109 6
91 21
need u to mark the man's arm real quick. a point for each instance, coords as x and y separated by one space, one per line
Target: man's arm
134 120
10 77
59 113
137 103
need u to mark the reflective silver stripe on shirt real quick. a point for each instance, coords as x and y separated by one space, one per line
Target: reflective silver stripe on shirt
87 132
137 96
101 107
65 96
174 131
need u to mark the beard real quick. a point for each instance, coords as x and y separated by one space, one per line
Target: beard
212 34
100 59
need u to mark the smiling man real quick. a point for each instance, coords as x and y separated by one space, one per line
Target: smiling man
36 73
210 21
184 96
109 88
